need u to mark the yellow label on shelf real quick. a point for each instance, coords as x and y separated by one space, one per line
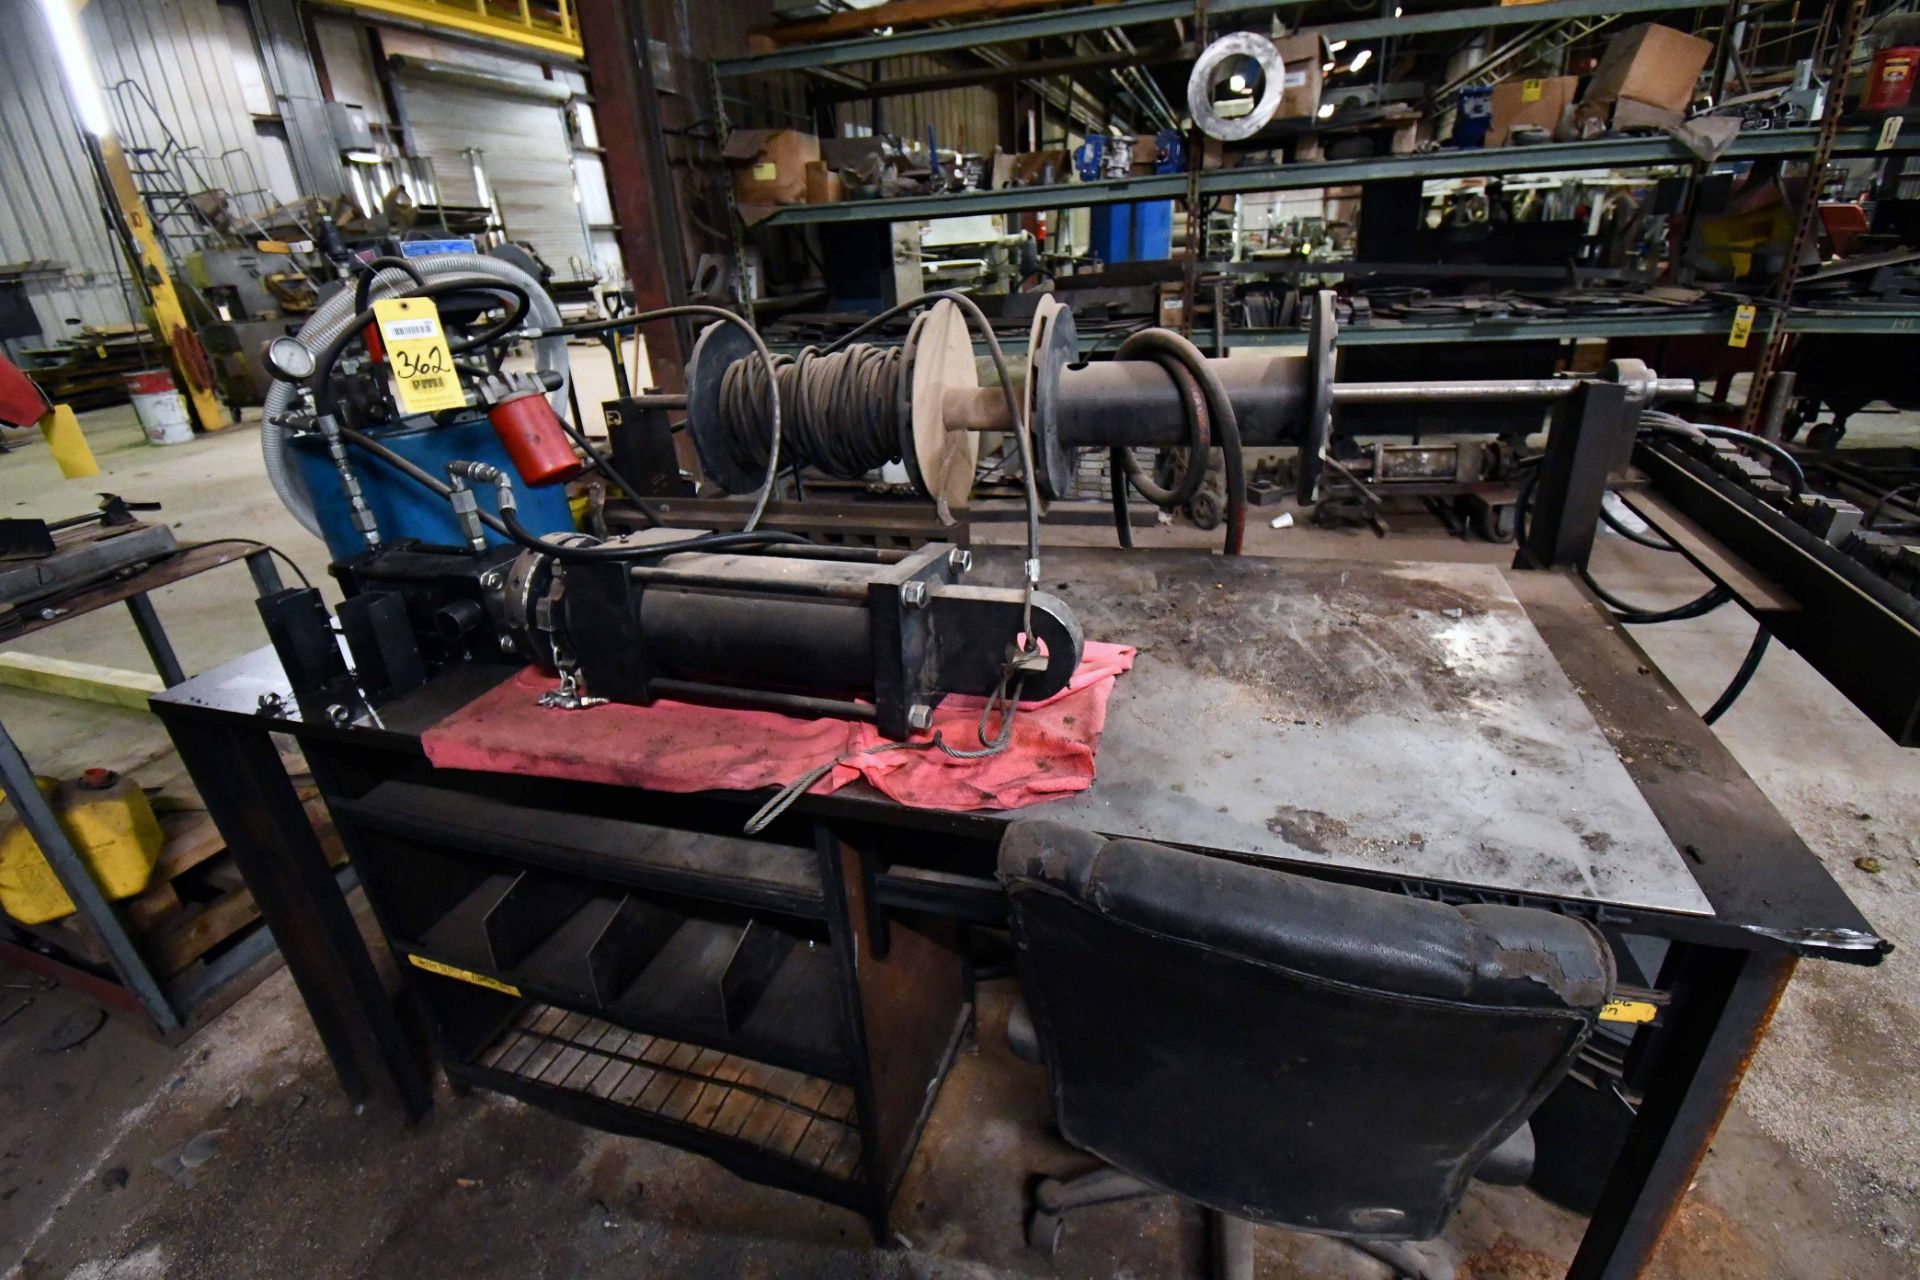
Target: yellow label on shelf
1530 90
766 171
1742 325
1628 1011
1889 134
424 380
462 975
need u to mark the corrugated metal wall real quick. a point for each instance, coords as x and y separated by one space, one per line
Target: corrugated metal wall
194 65
967 119
49 208
174 67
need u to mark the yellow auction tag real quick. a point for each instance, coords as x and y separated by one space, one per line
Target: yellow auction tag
1530 90
1628 1011
462 975
1742 325
424 380
1889 134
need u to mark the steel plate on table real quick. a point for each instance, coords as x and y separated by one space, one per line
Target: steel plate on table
1397 718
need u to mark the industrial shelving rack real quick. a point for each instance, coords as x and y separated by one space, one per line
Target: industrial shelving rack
1607 153
1604 153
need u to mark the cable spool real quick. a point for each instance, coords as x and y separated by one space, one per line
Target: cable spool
1052 345
842 409
847 411
943 362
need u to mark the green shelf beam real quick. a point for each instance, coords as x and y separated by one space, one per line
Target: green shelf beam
1602 153
1523 329
1133 13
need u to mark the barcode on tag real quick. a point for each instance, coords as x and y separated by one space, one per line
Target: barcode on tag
401 330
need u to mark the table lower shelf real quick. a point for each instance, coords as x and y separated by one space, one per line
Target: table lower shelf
766 1123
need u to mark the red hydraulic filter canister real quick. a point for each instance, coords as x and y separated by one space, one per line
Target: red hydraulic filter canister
535 440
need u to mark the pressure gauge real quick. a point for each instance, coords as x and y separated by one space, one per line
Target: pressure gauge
289 360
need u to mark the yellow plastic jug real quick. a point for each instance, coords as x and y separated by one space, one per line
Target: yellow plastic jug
111 826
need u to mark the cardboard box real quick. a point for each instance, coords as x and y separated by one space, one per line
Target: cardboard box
770 165
1530 102
1302 56
1034 169
1621 115
1650 64
824 185
1172 305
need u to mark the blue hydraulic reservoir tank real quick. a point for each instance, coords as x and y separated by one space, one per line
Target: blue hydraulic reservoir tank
406 509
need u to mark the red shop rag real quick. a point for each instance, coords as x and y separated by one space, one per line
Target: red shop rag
679 746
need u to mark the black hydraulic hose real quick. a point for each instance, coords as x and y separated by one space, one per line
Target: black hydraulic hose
604 465
413 471
1668 424
508 525
1741 678
327 357
1637 615
588 555
724 316
1122 513
1629 614
1631 534
363 287
1199 445
1219 413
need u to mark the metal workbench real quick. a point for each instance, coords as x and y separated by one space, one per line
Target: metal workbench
170 1004
1453 731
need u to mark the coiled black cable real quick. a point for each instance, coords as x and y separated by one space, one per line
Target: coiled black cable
1167 346
842 409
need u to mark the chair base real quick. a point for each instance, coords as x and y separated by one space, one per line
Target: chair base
1231 1238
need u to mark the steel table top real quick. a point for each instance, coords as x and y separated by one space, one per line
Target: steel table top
1447 724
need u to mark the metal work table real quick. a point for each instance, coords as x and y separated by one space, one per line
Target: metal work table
1456 731
173 1005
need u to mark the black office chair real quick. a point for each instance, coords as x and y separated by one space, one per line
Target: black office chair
1285 1050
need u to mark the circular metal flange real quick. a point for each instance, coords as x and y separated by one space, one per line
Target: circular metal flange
1207 71
1323 333
943 362
719 345
1052 345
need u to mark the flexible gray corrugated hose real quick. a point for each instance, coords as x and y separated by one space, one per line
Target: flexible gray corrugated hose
550 354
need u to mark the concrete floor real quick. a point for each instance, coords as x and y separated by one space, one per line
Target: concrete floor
1816 1173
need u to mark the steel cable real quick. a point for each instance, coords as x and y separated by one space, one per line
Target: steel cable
842 409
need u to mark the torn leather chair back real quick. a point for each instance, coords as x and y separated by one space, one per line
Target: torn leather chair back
1279 1048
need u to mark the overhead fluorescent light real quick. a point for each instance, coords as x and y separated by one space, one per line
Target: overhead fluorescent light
1326 109
1336 46
361 157
76 65
1361 59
